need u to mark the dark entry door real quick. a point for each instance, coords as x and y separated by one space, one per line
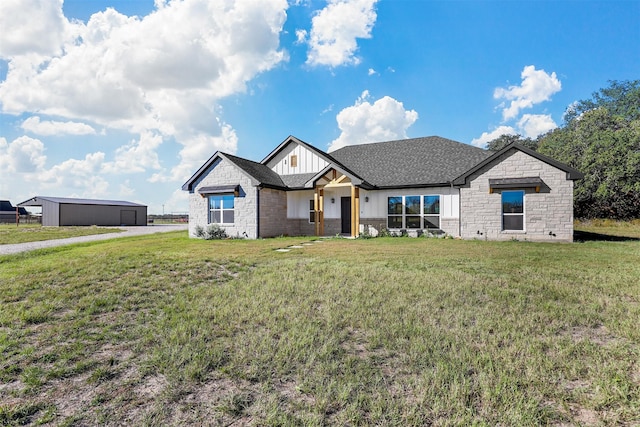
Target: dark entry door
345 214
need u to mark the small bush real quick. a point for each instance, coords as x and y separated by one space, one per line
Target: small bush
212 232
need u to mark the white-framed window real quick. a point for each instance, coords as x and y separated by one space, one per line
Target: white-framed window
513 210
312 211
413 212
221 209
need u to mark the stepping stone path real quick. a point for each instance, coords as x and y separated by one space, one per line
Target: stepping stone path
301 246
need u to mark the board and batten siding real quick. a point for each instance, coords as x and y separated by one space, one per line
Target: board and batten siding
548 215
306 161
223 172
374 211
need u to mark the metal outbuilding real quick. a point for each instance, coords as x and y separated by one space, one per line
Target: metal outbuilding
62 211
8 213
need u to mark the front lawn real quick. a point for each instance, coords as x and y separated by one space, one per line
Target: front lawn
166 330
10 234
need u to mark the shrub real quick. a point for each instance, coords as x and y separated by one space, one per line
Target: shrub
212 232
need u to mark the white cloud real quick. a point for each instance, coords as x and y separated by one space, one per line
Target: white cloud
532 125
537 86
31 27
163 73
50 127
126 190
138 156
75 174
487 137
301 36
384 120
201 147
334 30
529 125
22 155
371 72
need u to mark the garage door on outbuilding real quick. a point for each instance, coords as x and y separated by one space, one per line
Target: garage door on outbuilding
63 211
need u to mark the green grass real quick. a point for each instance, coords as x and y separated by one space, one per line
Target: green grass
10 234
606 227
166 330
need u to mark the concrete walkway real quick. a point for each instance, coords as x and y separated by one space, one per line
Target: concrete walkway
128 231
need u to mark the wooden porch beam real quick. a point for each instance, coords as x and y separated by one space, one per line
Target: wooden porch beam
355 211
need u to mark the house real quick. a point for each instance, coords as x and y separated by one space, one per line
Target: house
414 186
62 211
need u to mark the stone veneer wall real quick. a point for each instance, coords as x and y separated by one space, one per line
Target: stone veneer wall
273 213
548 214
223 172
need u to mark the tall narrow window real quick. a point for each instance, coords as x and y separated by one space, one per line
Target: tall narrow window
312 211
513 210
412 211
431 212
293 160
221 209
394 210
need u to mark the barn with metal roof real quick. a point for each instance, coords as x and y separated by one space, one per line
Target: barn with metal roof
63 211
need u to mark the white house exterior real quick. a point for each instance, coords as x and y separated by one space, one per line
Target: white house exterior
413 186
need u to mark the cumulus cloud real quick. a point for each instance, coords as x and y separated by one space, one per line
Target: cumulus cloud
193 153
22 155
74 174
31 27
335 30
529 125
537 86
162 74
532 125
487 137
386 119
50 127
138 156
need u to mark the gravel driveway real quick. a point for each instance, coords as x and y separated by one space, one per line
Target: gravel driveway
128 231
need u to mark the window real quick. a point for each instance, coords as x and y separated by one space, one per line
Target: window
221 209
312 211
431 211
293 160
513 210
413 212
394 210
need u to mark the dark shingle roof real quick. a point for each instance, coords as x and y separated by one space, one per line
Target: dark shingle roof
262 173
410 162
297 180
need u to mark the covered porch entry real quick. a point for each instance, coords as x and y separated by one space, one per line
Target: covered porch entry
336 187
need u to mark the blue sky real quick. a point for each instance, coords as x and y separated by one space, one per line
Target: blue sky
124 100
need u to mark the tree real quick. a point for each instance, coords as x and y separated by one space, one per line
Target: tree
622 99
503 140
605 147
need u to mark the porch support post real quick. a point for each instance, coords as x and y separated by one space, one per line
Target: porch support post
355 211
316 211
321 210
318 208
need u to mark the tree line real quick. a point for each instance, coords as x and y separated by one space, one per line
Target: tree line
600 137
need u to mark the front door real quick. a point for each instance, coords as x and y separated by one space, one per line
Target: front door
345 214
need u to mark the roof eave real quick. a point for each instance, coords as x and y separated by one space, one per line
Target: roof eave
572 174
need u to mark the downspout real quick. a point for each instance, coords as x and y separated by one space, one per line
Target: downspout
257 212
459 212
